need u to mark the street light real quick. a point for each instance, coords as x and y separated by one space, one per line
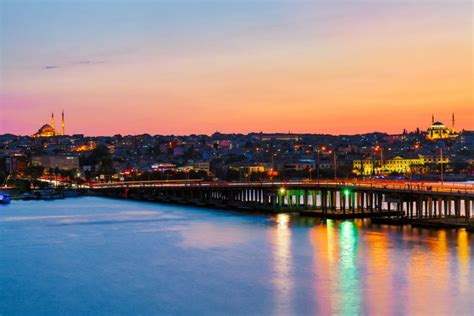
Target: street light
334 162
379 148
441 164
322 148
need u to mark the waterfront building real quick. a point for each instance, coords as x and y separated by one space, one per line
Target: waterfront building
395 165
49 130
438 130
162 167
302 164
62 162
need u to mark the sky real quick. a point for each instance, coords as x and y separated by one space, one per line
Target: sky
192 67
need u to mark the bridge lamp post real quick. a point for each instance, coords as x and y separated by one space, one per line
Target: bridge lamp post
334 162
416 147
322 148
281 199
379 148
441 165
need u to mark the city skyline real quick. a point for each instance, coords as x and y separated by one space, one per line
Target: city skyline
182 68
48 129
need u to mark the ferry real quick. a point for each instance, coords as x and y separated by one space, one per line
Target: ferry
4 198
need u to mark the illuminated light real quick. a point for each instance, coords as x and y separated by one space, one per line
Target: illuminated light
323 148
282 190
346 192
283 220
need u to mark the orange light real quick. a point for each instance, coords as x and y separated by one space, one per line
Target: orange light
323 148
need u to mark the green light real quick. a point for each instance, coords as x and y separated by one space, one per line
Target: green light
347 192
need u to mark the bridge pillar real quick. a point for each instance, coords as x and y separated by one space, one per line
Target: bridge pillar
333 196
419 207
467 209
457 207
371 202
430 207
379 201
324 200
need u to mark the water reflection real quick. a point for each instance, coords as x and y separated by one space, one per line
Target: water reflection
282 265
349 283
378 288
390 270
176 260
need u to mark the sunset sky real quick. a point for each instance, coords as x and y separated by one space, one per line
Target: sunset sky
184 67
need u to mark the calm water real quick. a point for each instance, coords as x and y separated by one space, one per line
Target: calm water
102 256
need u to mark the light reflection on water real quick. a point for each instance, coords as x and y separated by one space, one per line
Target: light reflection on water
93 255
282 265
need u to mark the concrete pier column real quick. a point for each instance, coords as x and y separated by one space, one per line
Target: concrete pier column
379 202
324 200
457 207
467 209
430 207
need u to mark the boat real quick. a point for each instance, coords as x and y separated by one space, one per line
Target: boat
4 198
70 193
48 194
27 196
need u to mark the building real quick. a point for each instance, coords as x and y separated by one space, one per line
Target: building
16 163
302 164
438 130
401 165
397 164
62 162
49 130
246 169
89 146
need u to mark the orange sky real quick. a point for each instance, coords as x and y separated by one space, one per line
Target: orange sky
316 68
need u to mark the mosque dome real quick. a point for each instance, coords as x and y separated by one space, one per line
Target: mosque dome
46 128
438 130
438 126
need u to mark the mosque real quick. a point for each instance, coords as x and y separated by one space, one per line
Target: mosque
438 130
48 130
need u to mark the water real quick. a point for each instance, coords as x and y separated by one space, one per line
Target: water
101 256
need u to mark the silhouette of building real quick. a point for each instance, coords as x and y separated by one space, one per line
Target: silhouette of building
438 130
49 130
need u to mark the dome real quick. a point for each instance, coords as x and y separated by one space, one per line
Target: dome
46 128
437 124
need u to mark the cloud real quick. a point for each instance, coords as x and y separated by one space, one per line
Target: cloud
89 62
84 62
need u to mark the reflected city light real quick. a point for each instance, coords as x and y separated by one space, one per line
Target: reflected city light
282 265
349 283
464 258
283 220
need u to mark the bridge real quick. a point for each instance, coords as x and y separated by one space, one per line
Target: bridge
329 198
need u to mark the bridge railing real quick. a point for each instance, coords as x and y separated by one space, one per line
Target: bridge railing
412 186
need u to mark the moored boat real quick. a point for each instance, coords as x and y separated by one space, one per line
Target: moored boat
4 198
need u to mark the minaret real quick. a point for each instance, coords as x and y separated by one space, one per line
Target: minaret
432 118
62 123
52 121
453 122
